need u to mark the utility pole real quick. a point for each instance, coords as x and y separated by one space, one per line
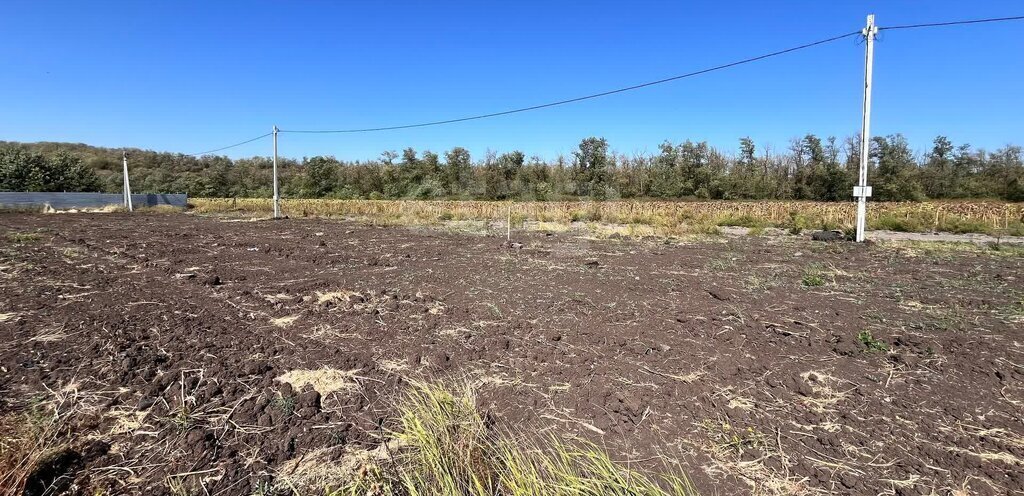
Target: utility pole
126 188
277 195
862 191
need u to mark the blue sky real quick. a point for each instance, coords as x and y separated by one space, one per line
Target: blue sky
189 76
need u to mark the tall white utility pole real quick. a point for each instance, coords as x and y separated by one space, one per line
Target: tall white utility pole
862 191
126 187
277 195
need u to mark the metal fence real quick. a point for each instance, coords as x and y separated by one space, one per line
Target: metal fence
9 199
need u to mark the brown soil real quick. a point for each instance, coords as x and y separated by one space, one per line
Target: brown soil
159 338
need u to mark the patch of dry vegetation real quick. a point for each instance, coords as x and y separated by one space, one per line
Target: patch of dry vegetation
325 380
998 218
442 444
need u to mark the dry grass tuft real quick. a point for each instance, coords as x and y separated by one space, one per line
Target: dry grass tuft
325 380
826 391
35 444
443 445
312 472
48 335
745 453
344 294
283 322
393 366
26 440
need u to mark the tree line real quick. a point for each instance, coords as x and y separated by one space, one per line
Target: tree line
811 168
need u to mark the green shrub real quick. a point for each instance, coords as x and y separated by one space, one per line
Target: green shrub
740 221
870 342
899 223
813 277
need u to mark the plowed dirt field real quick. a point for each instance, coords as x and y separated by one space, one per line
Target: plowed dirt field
180 351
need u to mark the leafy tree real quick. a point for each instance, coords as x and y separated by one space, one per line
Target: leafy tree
500 173
938 179
21 170
665 177
430 166
1005 173
831 183
808 167
321 176
700 170
457 169
812 168
590 167
896 172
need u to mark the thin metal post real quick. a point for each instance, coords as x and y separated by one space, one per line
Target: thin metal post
277 195
127 186
862 191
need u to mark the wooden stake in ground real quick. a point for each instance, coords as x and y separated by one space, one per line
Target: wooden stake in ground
508 227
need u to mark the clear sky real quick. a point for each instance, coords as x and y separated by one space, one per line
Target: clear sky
188 76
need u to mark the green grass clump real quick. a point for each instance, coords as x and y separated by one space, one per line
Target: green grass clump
588 215
702 229
963 226
1012 229
899 223
741 221
946 249
870 342
1006 249
1014 312
813 277
445 447
23 237
797 223
285 404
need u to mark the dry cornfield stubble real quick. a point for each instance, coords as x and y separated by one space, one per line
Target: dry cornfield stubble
992 217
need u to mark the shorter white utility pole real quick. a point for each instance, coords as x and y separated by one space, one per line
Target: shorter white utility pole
277 195
862 191
126 187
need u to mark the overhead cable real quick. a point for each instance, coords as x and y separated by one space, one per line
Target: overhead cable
580 98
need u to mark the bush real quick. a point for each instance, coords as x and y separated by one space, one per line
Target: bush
589 215
797 223
813 277
959 225
898 223
740 221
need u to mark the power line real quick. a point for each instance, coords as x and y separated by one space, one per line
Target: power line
229 146
952 23
586 97
618 90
